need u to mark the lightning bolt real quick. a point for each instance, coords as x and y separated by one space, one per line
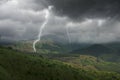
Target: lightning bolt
68 34
47 14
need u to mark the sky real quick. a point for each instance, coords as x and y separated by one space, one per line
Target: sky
81 21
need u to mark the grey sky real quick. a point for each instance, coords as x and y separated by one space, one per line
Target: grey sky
21 20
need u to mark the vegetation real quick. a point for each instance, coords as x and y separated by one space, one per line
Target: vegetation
103 57
87 62
15 65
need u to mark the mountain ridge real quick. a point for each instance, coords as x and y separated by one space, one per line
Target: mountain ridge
96 49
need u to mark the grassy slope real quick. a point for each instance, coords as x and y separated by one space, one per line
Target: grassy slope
18 66
87 62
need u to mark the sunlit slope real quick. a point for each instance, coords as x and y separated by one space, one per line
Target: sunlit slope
88 62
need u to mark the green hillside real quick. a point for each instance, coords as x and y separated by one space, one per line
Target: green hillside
87 62
20 66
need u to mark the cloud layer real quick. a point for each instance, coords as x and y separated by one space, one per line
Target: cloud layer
79 9
88 21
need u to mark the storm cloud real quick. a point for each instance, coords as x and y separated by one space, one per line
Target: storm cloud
79 9
87 21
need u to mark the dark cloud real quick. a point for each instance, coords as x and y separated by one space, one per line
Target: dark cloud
4 32
22 19
90 8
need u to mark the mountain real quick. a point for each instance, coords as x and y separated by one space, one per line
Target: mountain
48 46
107 51
6 42
115 45
96 50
